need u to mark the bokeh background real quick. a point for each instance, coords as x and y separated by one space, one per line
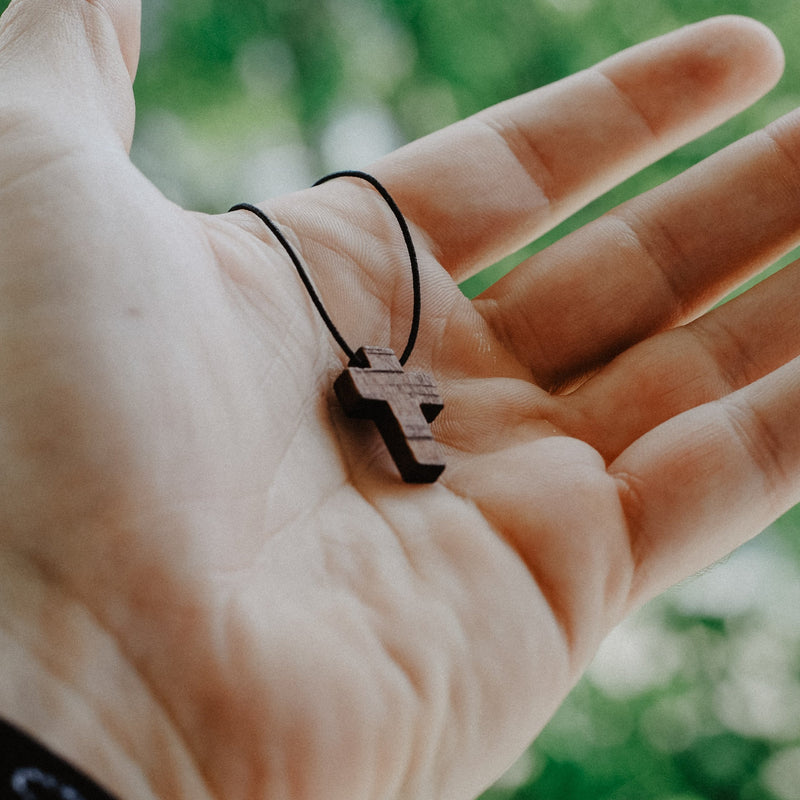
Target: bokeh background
698 696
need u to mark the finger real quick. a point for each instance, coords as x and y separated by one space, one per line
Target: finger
703 483
71 62
719 353
656 261
484 187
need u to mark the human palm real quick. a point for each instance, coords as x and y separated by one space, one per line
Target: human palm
216 584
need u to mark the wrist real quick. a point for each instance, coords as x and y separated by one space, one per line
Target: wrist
65 683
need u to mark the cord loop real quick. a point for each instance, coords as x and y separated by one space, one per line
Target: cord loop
318 304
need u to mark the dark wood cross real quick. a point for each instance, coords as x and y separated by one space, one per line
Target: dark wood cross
401 404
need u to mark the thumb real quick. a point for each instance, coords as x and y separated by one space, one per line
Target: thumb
71 62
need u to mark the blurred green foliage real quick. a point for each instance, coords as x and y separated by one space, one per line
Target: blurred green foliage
698 696
255 76
695 698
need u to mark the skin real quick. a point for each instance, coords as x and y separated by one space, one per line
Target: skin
212 585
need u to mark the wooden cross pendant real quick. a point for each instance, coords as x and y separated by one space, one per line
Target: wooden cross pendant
401 404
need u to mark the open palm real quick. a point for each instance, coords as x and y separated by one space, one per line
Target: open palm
212 583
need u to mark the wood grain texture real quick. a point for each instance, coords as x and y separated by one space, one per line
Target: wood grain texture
401 404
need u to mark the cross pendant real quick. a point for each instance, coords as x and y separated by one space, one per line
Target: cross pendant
401 404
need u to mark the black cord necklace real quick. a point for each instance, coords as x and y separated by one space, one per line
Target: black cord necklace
374 386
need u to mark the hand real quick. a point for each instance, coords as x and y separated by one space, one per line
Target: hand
214 585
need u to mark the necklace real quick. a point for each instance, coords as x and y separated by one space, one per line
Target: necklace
374 386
